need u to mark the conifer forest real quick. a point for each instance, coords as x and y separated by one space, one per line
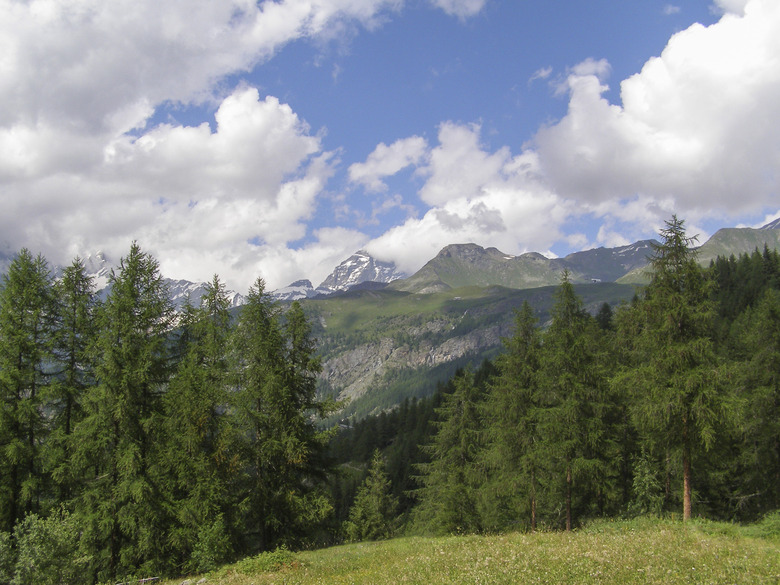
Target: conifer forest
135 441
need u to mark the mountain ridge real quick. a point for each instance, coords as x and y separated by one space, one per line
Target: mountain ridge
469 264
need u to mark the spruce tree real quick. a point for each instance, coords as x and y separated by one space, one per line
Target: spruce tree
450 482
677 402
372 515
511 412
574 404
26 333
199 454
118 443
758 466
274 404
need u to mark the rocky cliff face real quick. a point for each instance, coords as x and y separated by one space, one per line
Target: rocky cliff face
355 371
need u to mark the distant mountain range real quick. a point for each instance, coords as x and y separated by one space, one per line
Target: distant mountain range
460 265
383 337
359 268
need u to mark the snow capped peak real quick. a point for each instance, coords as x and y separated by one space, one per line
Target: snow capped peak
99 268
772 225
358 268
300 289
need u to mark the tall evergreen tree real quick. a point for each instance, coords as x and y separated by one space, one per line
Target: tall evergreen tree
26 332
274 403
449 496
759 454
677 403
511 410
373 513
198 450
76 305
574 406
121 504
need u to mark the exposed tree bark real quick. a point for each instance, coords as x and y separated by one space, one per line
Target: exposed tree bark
686 455
568 495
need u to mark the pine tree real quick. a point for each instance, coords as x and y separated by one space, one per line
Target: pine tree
76 306
677 403
198 447
121 504
274 404
449 496
372 515
511 411
574 405
759 455
26 332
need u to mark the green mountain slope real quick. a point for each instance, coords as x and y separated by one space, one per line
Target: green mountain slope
461 265
380 347
736 241
725 242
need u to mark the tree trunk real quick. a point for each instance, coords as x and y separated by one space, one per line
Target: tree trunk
686 456
533 500
568 495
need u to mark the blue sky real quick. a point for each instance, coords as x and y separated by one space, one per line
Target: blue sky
274 139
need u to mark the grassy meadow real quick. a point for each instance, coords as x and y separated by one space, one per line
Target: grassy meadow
641 551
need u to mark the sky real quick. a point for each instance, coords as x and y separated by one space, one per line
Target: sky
273 139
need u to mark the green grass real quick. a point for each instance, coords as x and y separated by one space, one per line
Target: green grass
625 552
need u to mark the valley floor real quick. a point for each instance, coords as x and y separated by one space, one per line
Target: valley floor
605 552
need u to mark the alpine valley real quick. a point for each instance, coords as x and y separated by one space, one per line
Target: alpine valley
384 337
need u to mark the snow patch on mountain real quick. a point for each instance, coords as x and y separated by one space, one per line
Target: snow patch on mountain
772 225
300 289
358 268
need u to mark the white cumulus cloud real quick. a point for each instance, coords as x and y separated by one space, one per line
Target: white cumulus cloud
386 161
460 8
490 198
696 130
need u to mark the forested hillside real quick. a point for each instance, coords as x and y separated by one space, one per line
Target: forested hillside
381 347
133 445
137 444
669 405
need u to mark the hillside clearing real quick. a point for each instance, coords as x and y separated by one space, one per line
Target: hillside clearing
624 552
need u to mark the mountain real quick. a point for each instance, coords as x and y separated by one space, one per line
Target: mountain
461 265
300 289
181 290
736 241
99 268
772 225
358 268
379 347
725 242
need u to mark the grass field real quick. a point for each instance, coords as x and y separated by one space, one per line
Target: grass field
621 552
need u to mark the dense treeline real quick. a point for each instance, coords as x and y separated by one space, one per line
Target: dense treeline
135 442
668 405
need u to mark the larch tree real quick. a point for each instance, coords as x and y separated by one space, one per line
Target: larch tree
574 405
26 333
677 403
198 447
274 407
511 411
372 515
451 481
76 307
121 502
